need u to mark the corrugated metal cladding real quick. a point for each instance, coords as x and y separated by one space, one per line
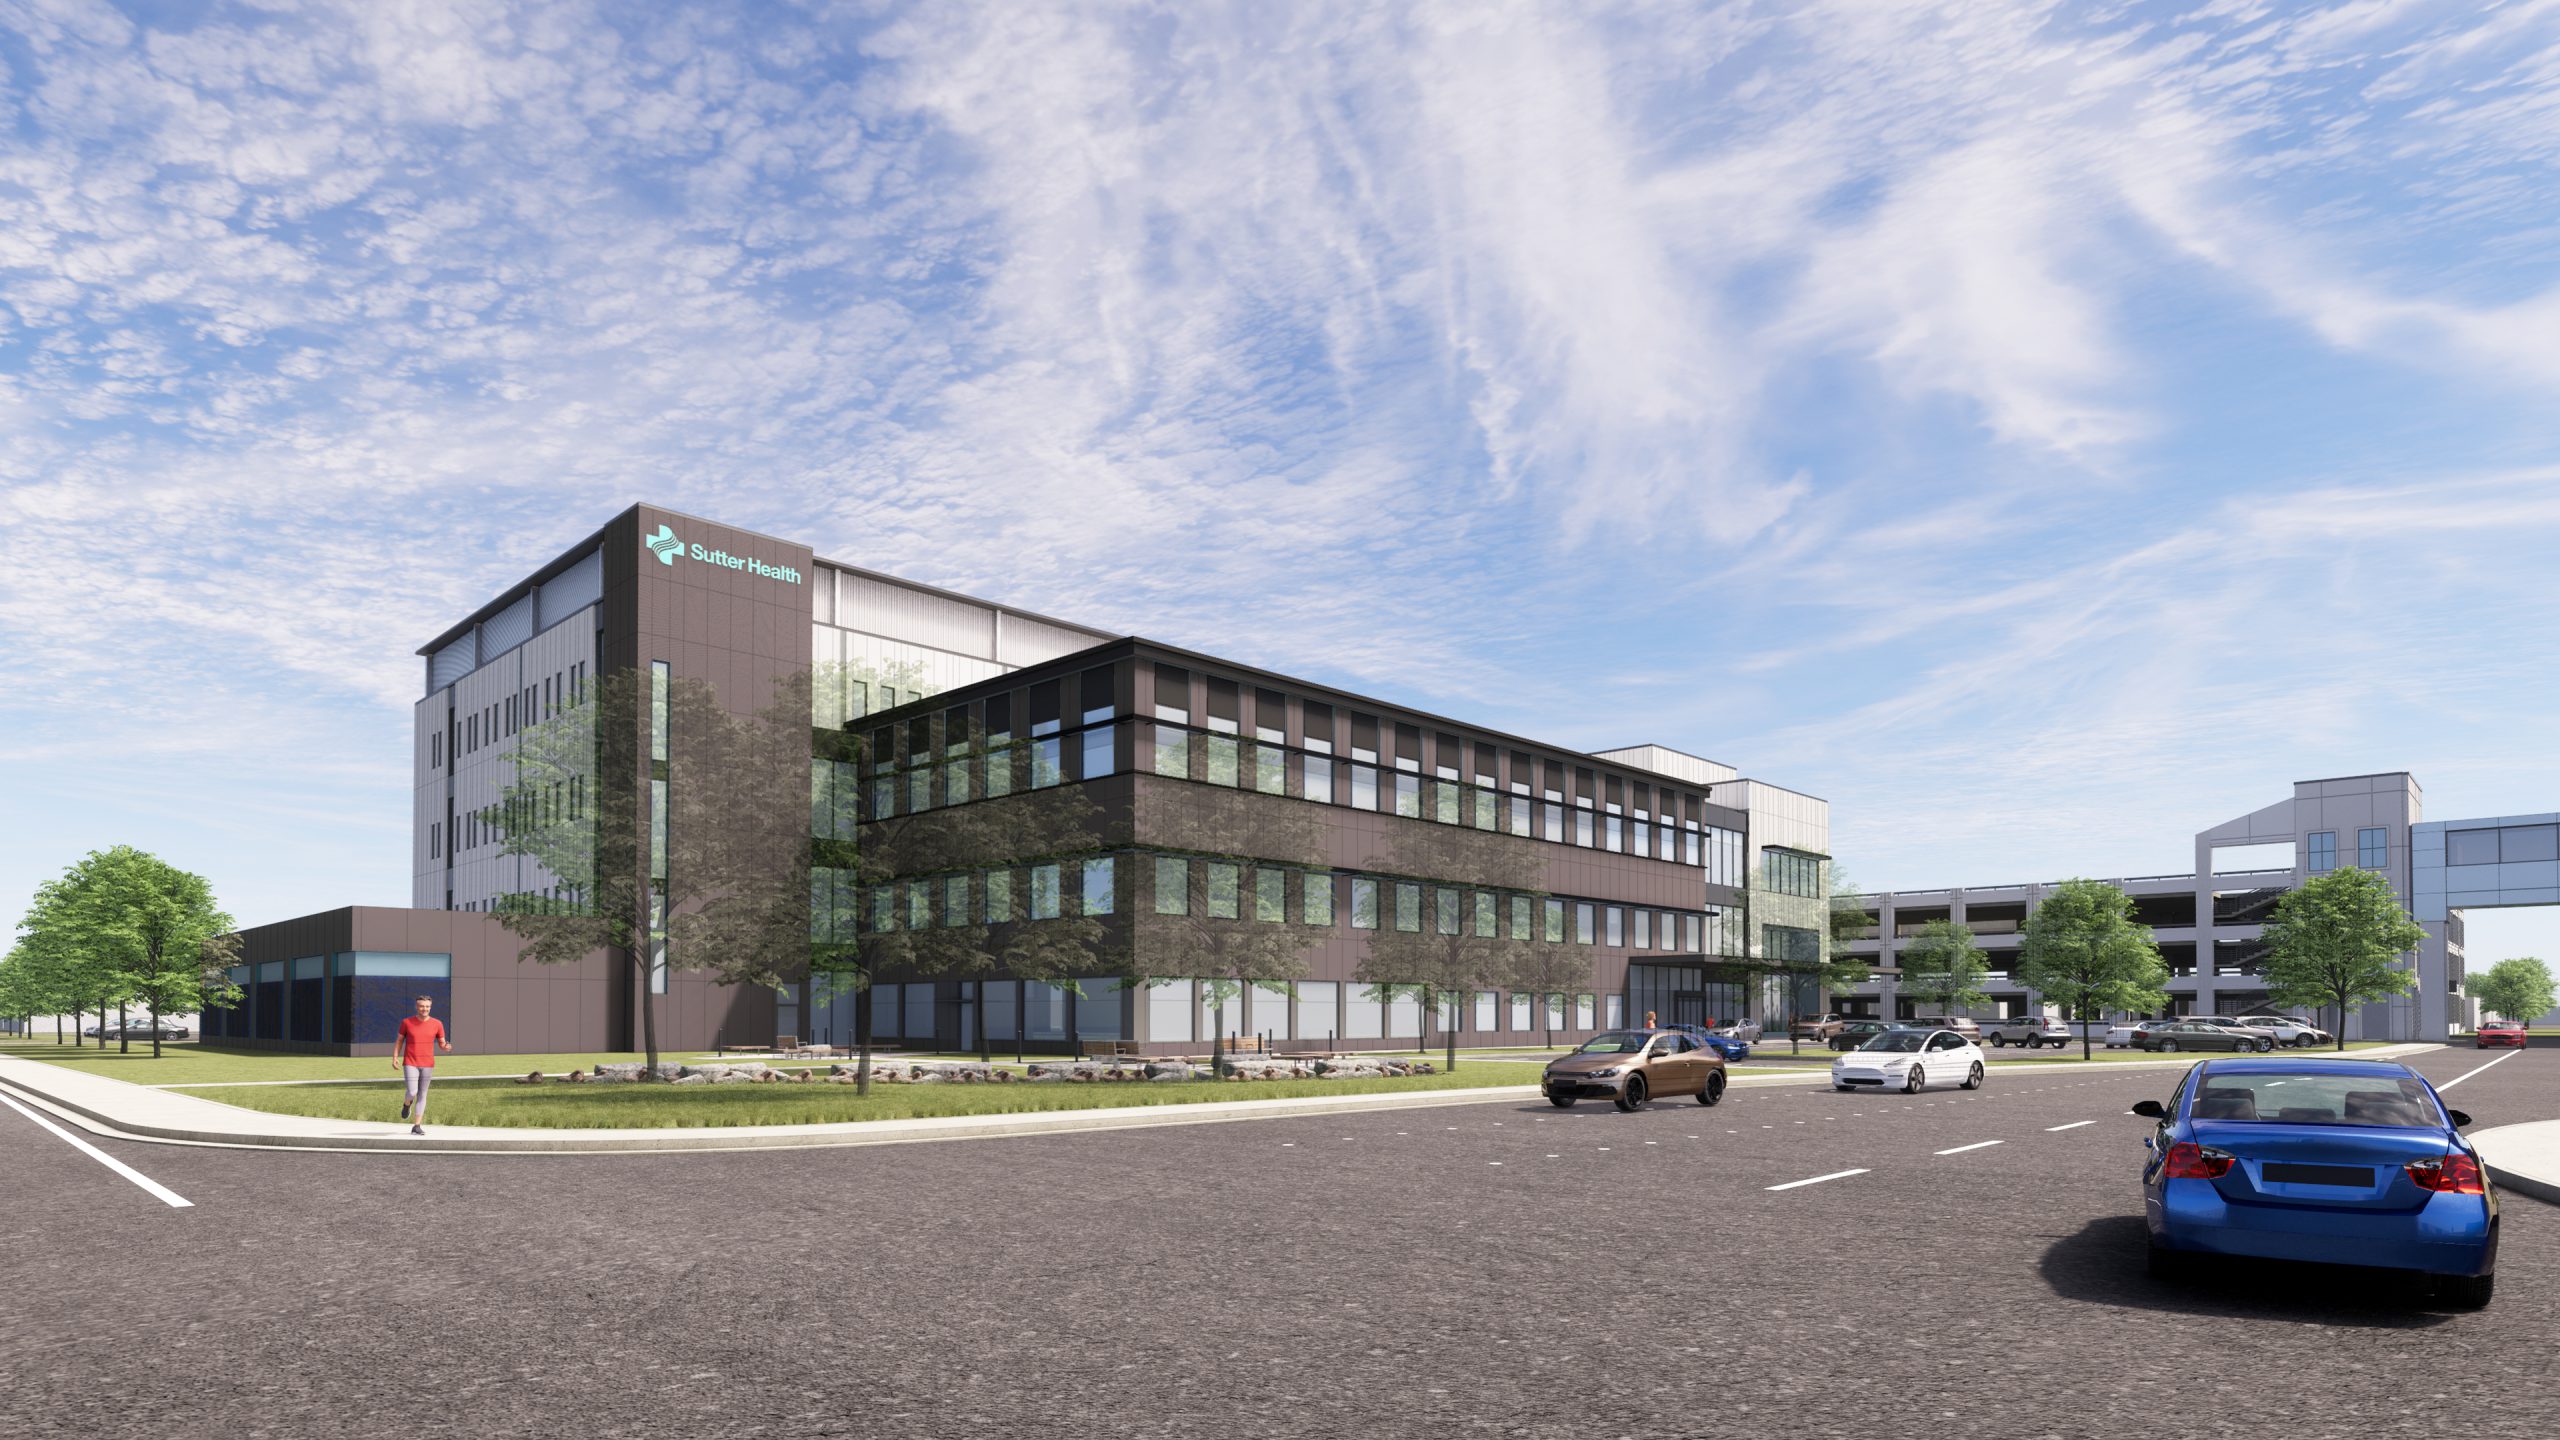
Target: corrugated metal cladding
1028 642
915 616
572 590
508 628
452 663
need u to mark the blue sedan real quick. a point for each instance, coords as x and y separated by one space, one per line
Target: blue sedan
2351 1162
1729 1048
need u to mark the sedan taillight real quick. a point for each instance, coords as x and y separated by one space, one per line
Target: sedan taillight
2188 1160
2451 1175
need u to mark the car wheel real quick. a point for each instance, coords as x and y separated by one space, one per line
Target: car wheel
2264 1046
1912 1080
1713 1090
1973 1081
1561 1102
1997 1042
2466 1292
1634 1096
2168 1047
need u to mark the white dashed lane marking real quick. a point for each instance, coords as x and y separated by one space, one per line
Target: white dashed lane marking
1977 1145
2074 1125
1818 1179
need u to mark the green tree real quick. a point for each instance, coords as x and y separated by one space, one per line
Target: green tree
1943 966
2518 989
1467 879
1541 968
136 929
2338 940
26 990
1217 863
964 859
2083 949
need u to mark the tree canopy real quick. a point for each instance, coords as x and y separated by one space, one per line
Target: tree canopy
123 926
1944 966
2083 949
2338 940
2518 989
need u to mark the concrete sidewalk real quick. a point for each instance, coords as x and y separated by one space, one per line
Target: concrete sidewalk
2523 1158
121 1110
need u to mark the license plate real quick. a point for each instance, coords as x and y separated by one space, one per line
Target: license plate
2358 1176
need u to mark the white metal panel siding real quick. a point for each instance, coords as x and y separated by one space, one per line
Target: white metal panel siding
918 617
572 590
508 628
1028 642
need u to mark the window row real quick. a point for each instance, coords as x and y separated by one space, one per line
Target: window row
464 734
1325 1011
841 910
2505 845
1786 872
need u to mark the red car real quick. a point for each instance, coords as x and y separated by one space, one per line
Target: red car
2501 1032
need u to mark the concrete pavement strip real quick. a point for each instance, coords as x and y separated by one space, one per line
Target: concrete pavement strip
122 1110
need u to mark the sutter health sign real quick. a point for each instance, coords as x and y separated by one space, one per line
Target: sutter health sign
668 548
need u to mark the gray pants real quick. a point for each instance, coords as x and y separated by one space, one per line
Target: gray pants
415 1078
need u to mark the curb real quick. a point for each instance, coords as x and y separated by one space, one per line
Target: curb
2542 1135
485 1140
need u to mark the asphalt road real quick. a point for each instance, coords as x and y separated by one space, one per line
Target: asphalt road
1504 1270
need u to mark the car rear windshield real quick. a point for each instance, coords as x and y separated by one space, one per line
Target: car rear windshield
1897 1040
2267 1096
1615 1042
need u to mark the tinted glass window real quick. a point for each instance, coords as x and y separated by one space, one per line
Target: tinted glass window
2529 842
2471 847
2398 1102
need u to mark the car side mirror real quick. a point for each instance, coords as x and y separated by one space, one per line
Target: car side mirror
2459 1118
2150 1109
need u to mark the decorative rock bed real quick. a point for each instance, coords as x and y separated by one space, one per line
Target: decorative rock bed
970 1072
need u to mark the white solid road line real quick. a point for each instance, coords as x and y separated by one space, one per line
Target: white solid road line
2467 1074
2074 1125
1818 1179
1976 1145
167 1196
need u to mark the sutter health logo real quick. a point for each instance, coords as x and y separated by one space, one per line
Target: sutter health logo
666 546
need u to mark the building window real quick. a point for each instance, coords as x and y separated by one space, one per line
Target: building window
1270 894
1097 886
1583 1019
1485 916
1044 892
1617 1011
1519 917
2324 851
1318 784
1520 1016
1173 886
955 900
1270 770
1613 833
1318 1008
1555 922
1222 760
1170 1010
999 782
919 905
1585 922
1408 907
2373 848
999 897
1409 796
1582 828
1173 753
1487 1017
1617 925
1225 880
1644 929
1315 900
1364 787
1364 903
1097 752
1444 904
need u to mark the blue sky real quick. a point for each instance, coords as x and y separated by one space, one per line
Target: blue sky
2041 430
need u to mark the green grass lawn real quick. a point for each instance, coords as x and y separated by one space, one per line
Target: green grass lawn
193 1064
621 1107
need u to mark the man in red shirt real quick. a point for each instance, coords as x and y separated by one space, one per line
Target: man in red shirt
421 1036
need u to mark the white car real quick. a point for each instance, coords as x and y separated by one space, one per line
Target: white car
1747 1031
2287 1030
1910 1060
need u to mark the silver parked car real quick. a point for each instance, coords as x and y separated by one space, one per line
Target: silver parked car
2177 1035
2031 1031
2288 1031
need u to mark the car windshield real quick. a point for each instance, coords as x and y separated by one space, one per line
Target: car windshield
2400 1102
1615 1042
1897 1040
